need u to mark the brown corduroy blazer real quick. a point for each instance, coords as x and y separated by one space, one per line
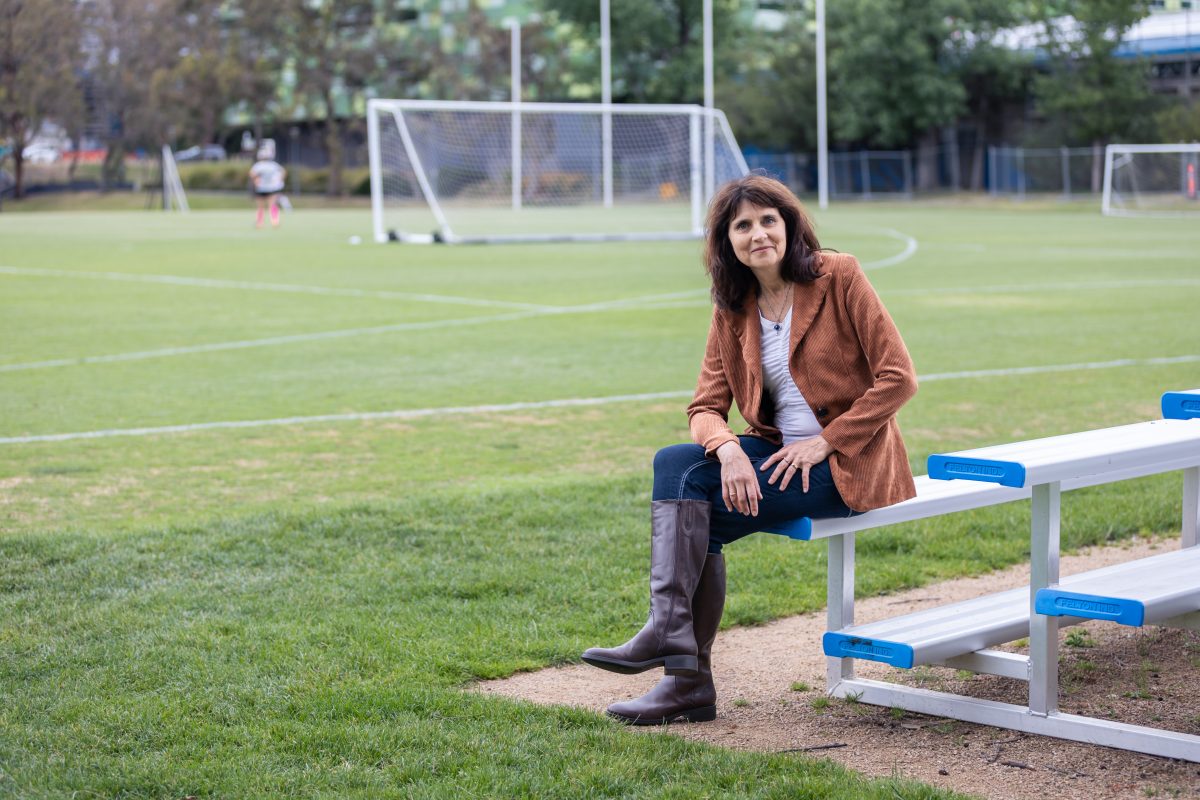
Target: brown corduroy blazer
848 361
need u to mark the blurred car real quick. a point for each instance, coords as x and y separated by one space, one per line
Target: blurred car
41 154
205 152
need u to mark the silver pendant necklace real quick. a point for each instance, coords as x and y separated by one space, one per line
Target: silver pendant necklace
777 318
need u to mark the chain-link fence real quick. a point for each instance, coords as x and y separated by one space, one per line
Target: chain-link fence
1065 172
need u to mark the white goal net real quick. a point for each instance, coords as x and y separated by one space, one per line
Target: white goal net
1151 179
488 172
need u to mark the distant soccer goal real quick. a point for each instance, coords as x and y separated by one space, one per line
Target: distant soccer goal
1151 180
172 187
491 172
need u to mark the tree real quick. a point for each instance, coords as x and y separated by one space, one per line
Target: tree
1179 122
892 80
771 98
39 55
996 77
208 74
129 44
657 46
469 60
1095 96
342 50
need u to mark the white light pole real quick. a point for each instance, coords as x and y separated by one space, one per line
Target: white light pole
709 156
822 125
515 27
606 99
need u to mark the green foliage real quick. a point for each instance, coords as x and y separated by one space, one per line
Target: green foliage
40 52
657 47
1096 97
222 176
1079 637
890 79
232 176
357 180
1179 123
770 94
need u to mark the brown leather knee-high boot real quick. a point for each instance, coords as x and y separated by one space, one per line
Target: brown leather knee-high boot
678 544
678 697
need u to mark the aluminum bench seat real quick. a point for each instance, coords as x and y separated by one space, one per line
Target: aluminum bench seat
1115 453
938 497
1154 589
935 635
933 499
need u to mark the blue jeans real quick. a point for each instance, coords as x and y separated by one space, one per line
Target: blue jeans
681 472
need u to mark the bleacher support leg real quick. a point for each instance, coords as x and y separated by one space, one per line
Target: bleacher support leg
1191 506
1043 630
839 597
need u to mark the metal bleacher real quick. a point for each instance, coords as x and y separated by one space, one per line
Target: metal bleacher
1160 590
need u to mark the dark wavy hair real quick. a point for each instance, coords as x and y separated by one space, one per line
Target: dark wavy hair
732 281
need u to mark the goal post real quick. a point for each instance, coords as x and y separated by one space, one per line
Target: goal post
1151 180
477 172
173 195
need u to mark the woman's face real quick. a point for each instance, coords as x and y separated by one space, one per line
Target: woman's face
758 235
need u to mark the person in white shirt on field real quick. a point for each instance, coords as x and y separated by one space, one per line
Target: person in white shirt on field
267 177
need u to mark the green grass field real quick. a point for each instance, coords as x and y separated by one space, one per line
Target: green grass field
263 520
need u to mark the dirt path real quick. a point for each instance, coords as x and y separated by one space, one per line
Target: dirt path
770 680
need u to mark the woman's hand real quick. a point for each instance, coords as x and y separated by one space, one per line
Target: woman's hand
797 457
739 484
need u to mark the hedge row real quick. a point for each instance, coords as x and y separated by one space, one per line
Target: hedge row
233 176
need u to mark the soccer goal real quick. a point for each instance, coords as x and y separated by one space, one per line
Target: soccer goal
1151 179
460 172
172 187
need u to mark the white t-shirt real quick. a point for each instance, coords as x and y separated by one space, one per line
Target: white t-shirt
793 417
268 176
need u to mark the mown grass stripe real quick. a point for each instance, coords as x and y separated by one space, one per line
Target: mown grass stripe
414 413
211 283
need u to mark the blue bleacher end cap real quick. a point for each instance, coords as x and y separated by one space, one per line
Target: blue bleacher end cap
796 529
842 645
1181 405
1053 602
949 466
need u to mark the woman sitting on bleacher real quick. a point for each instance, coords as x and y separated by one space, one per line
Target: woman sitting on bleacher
803 345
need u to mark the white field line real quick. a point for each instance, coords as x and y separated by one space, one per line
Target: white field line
410 413
910 250
683 300
209 283
1120 362
270 341
648 302
658 302
1110 253
295 338
416 413
1146 283
640 302
633 303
